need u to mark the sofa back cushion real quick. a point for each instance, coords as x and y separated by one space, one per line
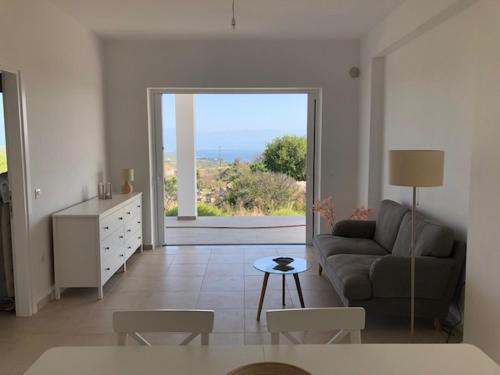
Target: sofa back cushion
388 222
431 239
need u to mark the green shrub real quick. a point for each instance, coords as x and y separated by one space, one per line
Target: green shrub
3 161
287 155
263 192
170 186
171 211
203 210
257 166
287 212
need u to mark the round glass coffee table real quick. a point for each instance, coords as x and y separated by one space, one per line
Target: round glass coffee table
269 266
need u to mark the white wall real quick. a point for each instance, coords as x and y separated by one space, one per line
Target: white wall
418 93
61 70
429 103
482 310
133 66
442 88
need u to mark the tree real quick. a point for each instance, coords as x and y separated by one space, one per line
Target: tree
287 155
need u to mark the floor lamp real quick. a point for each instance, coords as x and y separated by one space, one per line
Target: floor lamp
415 168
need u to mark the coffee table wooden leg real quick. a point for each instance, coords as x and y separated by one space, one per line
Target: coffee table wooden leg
299 289
283 289
262 294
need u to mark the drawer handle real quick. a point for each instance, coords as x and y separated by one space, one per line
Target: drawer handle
139 237
139 206
106 248
130 247
139 222
122 255
106 228
120 218
129 230
108 269
120 237
128 213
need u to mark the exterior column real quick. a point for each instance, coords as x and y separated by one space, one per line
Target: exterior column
186 157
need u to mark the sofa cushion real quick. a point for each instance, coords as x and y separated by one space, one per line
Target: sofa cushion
351 275
388 222
431 239
354 229
331 245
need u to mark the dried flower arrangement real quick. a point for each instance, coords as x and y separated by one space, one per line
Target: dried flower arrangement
361 213
327 211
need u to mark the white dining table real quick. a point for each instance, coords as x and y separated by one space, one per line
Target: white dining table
383 359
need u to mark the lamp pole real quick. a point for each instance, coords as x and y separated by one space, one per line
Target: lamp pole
412 270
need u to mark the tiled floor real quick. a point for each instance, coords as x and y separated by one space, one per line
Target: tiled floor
220 278
236 229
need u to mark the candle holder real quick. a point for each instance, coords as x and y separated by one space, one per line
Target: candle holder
101 191
109 194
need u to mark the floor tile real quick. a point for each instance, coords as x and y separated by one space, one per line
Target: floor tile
187 270
226 269
170 300
223 284
220 300
229 321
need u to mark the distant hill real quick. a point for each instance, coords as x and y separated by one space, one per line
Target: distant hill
228 156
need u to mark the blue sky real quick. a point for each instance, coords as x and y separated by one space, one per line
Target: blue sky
239 121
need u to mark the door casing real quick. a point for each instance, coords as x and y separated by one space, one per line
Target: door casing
156 149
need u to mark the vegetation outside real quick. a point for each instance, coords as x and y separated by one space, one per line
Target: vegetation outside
273 184
3 161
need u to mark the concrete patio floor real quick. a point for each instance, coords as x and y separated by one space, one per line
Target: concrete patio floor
226 230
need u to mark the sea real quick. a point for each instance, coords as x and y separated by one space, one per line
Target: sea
229 155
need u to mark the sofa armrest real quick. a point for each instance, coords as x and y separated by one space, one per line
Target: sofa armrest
390 276
354 229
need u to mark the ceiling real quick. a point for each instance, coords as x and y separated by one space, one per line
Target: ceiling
211 19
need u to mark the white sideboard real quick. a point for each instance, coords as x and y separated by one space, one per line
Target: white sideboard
94 239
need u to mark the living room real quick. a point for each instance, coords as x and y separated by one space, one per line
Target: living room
396 75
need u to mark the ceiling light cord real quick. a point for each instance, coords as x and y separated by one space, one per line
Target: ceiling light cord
233 20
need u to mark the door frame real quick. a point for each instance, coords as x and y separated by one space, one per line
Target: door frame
16 131
314 126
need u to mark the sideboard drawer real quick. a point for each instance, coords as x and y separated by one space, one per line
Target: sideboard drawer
113 243
111 222
134 242
133 210
132 226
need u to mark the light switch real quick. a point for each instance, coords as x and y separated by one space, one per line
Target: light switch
38 193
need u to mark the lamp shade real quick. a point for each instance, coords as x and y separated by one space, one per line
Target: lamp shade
419 168
128 174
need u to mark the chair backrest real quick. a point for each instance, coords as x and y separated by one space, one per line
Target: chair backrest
347 320
132 323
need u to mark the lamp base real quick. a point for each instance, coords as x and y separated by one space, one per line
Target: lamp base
127 188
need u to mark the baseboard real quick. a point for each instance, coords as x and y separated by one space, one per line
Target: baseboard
44 301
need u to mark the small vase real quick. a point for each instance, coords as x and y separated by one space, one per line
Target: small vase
127 188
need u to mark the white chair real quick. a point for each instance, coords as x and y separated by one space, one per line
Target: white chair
132 323
348 320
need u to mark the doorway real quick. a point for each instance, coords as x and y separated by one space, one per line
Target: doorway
15 274
218 167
